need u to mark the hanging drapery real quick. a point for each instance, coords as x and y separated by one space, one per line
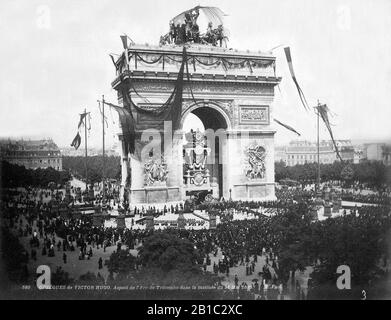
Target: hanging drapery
113 60
171 110
301 94
82 122
287 127
210 62
76 141
149 62
323 111
127 125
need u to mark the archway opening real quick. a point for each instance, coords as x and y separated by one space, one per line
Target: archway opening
201 177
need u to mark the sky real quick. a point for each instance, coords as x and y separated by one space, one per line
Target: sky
55 62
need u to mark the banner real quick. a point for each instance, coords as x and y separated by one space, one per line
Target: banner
124 41
323 111
287 127
301 94
76 141
112 59
82 116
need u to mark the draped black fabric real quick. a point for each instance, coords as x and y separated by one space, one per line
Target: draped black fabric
82 116
127 125
76 141
113 60
286 126
323 112
301 94
171 110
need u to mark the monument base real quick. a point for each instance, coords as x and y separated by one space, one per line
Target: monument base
254 191
155 195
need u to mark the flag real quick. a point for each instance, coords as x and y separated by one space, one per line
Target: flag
323 111
82 116
124 41
112 59
287 127
301 94
101 112
76 141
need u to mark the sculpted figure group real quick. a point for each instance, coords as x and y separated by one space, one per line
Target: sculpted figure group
189 32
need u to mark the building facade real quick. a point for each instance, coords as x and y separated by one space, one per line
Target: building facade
302 151
32 154
377 152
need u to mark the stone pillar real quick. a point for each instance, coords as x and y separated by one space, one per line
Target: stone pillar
212 221
332 196
319 200
170 153
121 222
339 200
327 210
314 213
149 222
68 197
181 221
98 220
91 196
335 206
174 161
137 193
125 173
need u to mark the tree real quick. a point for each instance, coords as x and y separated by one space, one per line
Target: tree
121 262
347 174
357 241
13 254
16 176
94 167
290 229
168 252
373 173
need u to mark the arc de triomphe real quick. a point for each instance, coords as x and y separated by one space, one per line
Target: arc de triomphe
233 95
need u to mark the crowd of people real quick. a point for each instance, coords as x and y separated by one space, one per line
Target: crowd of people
248 243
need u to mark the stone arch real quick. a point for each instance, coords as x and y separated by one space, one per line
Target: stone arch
215 117
204 110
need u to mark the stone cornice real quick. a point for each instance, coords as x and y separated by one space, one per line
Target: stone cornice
251 132
195 77
201 51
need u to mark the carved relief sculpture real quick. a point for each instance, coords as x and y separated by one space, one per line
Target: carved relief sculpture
155 171
255 168
254 115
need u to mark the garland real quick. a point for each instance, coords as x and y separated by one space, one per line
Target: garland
226 63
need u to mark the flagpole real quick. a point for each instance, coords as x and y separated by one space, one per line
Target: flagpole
103 147
85 139
318 175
